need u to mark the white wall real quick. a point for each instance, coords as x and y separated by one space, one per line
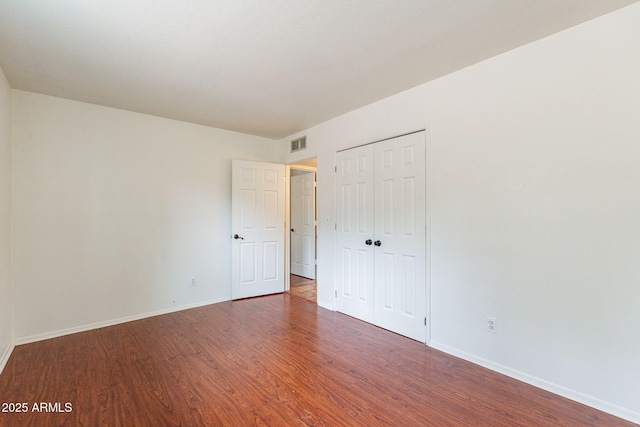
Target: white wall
5 221
115 212
535 210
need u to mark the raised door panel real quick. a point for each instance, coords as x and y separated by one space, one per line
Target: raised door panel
248 266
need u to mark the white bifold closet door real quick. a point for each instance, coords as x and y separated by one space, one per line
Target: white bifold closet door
381 234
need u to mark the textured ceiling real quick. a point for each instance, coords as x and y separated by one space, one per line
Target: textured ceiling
269 68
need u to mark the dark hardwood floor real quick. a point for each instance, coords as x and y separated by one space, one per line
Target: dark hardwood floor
275 361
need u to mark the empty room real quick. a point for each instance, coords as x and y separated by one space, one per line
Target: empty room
368 213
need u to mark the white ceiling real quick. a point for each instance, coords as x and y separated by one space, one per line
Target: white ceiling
269 68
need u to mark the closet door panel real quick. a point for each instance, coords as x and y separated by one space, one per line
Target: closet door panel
400 207
354 226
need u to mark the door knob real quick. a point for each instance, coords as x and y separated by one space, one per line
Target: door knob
368 242
235 236
292 230
377 243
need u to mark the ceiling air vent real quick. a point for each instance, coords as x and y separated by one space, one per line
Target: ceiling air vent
299 144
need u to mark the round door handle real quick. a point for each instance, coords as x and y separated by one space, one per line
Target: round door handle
377 243
292 230
368 242
235 236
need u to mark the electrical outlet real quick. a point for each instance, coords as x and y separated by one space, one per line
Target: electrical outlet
492 326
192 282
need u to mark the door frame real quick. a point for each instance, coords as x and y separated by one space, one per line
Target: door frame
304 182
287 217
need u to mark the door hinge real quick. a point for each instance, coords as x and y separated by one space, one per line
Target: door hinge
425 321
335 226
335 293
335 169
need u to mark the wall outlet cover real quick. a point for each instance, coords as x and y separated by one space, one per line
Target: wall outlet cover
492 326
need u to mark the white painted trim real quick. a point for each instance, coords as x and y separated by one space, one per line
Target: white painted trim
327 306
6 355
287 214
574 395
302 167
427 237
97 325
287 226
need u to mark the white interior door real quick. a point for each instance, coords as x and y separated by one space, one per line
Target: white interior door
303 228
257 221
400 235
355 233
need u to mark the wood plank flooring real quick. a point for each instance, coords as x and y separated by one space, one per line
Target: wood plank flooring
269 361
303 288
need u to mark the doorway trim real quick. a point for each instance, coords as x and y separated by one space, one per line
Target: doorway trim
287 213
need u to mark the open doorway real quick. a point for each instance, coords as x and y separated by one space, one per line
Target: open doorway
302 230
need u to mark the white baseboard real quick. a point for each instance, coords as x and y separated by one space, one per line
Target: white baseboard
574 395
97 325
327 306
6 355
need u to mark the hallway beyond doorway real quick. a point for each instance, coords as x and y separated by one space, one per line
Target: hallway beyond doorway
303 288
